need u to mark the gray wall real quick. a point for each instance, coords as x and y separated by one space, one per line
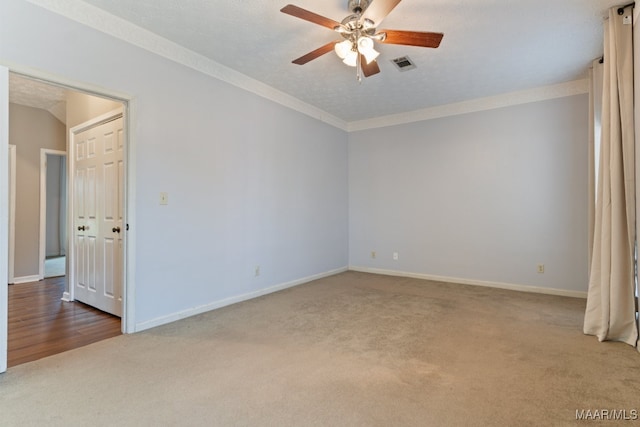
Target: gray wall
30 129
484 196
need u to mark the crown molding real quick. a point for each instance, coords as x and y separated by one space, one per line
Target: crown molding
543 93
119 28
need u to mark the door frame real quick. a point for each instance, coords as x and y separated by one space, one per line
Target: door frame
4 213
44 152
12 214
71 168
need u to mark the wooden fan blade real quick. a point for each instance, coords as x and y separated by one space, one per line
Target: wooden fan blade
379 9
369 69
314 54
301 13
412 38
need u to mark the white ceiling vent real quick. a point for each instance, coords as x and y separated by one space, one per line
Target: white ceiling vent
404 63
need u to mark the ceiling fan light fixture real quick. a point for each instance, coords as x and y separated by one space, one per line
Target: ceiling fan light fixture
360 34
343 48
365 47
371 55
351 59
364 44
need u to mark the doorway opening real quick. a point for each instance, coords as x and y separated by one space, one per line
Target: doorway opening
40 261
53 213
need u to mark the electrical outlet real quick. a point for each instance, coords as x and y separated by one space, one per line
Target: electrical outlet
540 268
164 198
373 254
257 270
395 256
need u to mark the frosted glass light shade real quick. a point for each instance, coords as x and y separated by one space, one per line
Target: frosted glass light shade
343 48
351 59
365 47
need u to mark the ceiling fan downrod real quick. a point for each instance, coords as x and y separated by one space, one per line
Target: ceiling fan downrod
358 6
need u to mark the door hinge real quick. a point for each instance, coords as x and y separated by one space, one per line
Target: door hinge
127 227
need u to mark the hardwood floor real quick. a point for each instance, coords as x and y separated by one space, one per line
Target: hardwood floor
41 324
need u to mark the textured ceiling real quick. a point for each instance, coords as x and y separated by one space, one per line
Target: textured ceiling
32 93
490 47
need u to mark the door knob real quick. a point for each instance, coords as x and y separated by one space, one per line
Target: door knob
116 229
81 228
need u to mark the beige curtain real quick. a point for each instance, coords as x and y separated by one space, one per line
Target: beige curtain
611 302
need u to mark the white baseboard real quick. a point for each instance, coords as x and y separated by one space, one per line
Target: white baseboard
26 279
231 300
500 285
66 296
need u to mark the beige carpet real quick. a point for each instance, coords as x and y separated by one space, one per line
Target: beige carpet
350 350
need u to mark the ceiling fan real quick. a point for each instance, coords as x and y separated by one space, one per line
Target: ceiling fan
359 32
